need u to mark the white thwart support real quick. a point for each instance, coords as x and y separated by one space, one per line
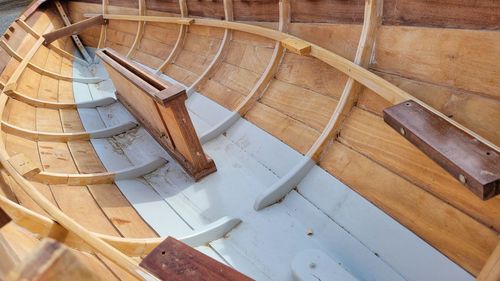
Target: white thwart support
284 185
211 232
220 128
314 265
96 103
140 170
88 80
113 130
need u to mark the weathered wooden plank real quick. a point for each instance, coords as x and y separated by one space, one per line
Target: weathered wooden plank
206 8
335 11
453 58
174 260
449 230
262 10
368 134
470 161
479 14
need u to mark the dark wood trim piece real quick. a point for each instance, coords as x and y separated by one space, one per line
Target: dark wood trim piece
174 260
4 218
470 161
73 29
169 94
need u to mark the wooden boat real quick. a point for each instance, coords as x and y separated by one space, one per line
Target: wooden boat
252 131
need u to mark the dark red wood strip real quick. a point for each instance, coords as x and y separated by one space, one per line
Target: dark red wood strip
473 163
4 218
176 261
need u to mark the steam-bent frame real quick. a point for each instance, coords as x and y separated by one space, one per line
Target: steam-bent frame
349 96
66 137
42 71
184 23
221 52
260 85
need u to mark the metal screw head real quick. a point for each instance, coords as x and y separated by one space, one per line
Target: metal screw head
462 179
402 131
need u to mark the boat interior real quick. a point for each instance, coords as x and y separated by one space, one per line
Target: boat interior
263 134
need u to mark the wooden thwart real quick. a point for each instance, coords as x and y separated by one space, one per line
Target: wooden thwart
174 260
73 29
75 37
160 107
470 161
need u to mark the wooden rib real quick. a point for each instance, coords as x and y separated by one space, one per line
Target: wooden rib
27 28
261 84
180 39
135 247
87 80
58 105
65 137
491 270
140 28
40 70
272 67
104 26
98 178
75 37
31 9
286 183
12 82
349 96
68 223
228 12
95 242
372 81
